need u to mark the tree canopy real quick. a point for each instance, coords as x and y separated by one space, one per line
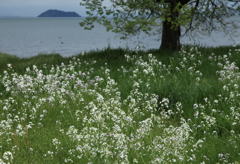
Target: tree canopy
169 19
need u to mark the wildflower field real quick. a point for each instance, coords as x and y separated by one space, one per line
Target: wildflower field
137 108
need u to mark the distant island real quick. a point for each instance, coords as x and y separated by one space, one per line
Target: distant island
58 13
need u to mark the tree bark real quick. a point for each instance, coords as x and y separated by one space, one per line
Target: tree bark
171 33
170 37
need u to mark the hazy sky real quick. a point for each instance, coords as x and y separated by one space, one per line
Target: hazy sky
32 8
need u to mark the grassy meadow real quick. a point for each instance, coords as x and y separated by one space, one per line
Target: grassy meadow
119 106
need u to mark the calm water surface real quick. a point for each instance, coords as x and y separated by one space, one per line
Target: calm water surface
26 37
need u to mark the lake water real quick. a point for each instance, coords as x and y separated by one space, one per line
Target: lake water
26 37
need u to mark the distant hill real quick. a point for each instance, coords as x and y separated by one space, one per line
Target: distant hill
58 13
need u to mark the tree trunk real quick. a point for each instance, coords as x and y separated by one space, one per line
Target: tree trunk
170 37
171 31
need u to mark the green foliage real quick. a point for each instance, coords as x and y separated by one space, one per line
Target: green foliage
41 61
6 58
129 17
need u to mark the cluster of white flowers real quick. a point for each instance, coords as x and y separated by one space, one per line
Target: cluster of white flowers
108 127
7 158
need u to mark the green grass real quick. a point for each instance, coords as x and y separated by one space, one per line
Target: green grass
117 105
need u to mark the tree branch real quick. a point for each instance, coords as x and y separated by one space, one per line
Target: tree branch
190 24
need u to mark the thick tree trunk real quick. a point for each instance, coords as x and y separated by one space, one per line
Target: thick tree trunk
171 31
170 37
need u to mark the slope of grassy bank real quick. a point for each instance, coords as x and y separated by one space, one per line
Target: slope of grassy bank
117 105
